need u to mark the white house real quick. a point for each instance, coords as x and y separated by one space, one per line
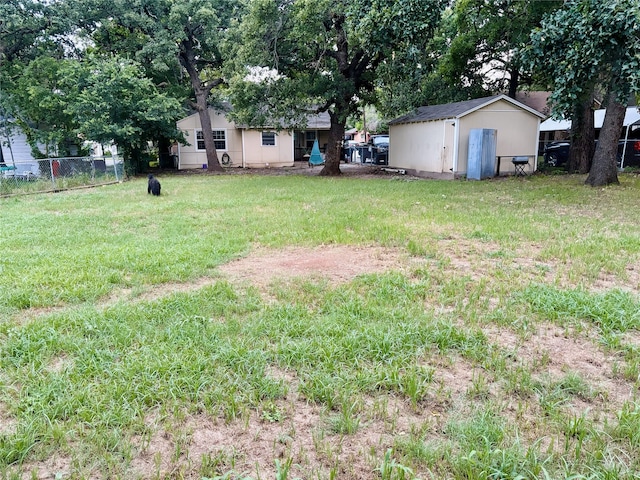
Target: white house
15 153
434 140
239 146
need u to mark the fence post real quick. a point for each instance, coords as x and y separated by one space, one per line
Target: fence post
53 178
115 166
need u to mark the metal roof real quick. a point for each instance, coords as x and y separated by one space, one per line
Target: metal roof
631 117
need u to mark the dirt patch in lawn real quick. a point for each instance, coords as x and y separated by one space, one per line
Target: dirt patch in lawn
334 263
554 354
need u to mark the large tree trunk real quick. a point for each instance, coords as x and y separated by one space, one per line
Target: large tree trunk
207 133
582 137
604 170
188 61
333 153
514 82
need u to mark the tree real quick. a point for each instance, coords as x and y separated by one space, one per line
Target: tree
171 34
30 27
322 55
582 134
585 44
116 102
40 94
32 30
60 102
480 56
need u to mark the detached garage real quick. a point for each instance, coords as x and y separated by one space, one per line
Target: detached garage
434 140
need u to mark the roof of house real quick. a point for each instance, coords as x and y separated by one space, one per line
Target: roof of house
537 100
456 110
319 121
314 121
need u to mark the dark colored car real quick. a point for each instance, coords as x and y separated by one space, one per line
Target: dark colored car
376 151
380 149
556 154
631 153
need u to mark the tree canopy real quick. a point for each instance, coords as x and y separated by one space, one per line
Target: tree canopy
589 43
481 56
128 70
322 56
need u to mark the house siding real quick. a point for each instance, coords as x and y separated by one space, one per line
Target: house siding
189 155
259 156
20 150
243 145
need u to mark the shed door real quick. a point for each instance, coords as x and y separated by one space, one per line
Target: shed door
447 146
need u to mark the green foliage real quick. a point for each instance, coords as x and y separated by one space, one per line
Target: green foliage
585 43
118 103
21 30
390 469
40 93
110 100
323 54
480 55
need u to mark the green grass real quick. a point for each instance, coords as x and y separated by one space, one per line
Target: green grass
87 360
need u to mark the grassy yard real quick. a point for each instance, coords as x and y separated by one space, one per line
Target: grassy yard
289 326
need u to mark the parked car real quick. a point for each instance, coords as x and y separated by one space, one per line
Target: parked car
556 154
380 150
631 153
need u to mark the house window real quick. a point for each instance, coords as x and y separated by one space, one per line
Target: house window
219 139
310 138
268 139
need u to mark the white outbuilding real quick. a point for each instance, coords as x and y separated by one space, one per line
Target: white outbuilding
433 141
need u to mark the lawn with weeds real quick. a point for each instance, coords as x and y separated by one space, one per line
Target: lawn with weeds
293 326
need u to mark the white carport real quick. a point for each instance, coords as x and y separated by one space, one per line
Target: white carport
631 122
631 117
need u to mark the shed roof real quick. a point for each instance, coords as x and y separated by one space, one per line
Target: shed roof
456 110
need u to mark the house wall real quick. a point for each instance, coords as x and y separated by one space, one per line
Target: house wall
417 147
190 157
19 148
19 154
267 156
517 134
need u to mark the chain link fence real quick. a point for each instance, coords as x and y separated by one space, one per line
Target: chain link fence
53 174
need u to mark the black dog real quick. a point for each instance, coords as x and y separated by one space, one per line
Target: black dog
154 185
